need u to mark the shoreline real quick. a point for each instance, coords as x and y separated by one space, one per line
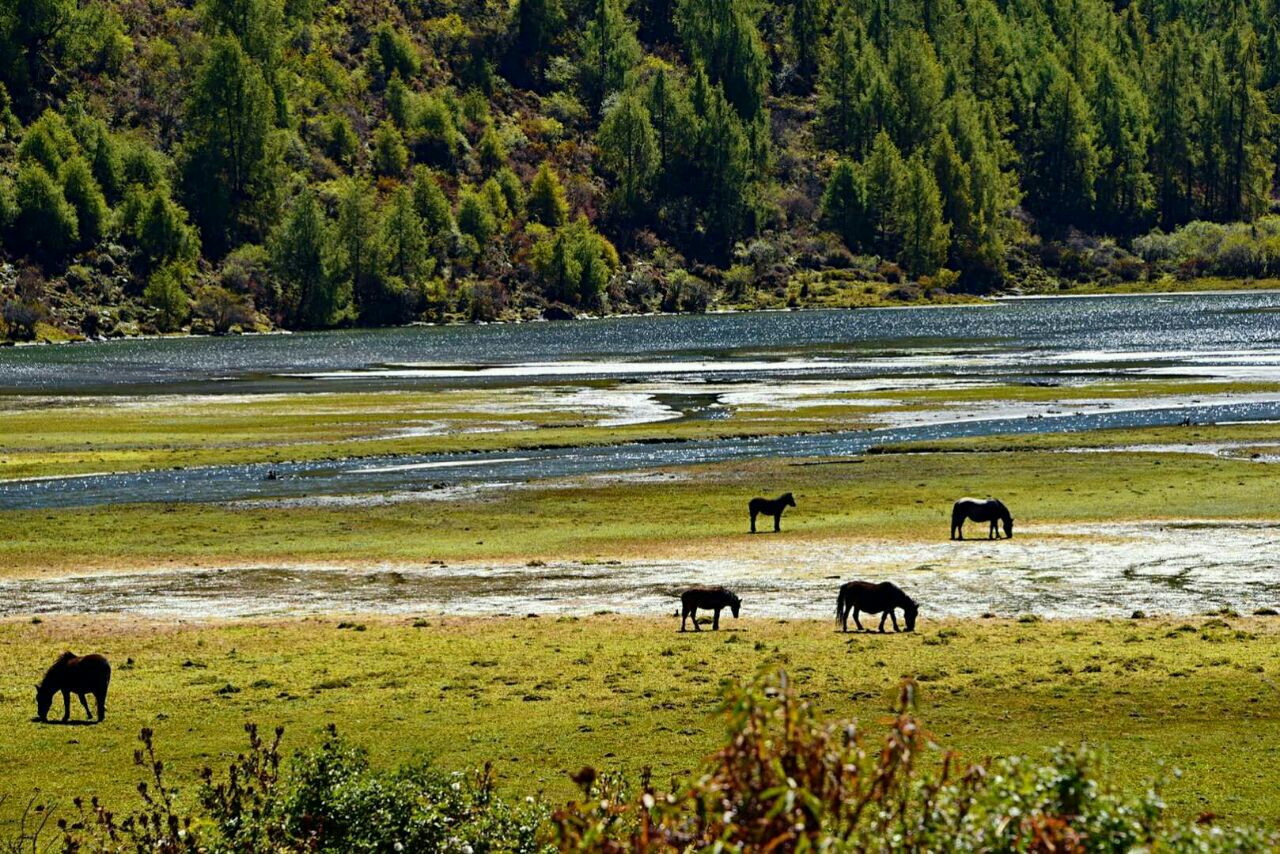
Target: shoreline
967 301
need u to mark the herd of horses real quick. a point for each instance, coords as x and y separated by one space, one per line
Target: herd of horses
91 674
883 598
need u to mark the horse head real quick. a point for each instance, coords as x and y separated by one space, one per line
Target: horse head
44 699
734 604
1008 526
909 612
788 500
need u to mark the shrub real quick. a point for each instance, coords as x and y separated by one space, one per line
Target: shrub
575 263
165 293
222 309
390 157
45 223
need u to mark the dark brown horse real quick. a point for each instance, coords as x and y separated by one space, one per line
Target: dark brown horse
71 674
874 598
708 599
770 507
991 510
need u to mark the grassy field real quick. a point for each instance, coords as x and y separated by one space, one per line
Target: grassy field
542 697
682 512
1167 284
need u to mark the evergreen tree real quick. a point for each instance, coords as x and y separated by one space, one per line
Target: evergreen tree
226 165
722 38
917 83
433 207
303 260
1061 161
476 218
45 225
82 192
806 21
547 203
844 205
1174 106
357 239
924 233
723 166
610 50
1123 188
885 179
390 156
406 252
628 150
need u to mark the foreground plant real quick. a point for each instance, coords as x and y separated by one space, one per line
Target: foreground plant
786 781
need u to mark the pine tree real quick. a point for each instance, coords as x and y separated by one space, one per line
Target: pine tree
1174 105
406 254
884 176
610 50
302 258
628 150
226 166
357 232
915 76
844 206
82 192
806 23
924 233
722 38
1061 162
1123 187
547 203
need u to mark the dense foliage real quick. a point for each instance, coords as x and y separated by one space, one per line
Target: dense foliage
312 163
783 781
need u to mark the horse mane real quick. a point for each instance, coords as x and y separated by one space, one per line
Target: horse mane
56 666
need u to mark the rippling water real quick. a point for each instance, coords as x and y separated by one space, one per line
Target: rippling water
1186 333
1055 340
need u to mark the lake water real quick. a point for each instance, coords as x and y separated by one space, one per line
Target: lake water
1052 341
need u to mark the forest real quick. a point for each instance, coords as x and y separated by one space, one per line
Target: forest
222 165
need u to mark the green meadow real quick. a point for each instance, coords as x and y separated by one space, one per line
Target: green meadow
542 697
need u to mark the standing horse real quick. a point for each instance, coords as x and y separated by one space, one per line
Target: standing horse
874 598
708 599
71 674
770 507
992 510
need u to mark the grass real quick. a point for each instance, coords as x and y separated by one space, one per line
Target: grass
42 437
686 512
543 697
1165 284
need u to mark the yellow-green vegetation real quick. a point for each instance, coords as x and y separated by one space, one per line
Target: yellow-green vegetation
845 289
689 512
42 437
1160 285
542 697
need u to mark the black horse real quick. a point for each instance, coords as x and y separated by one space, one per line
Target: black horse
874 598
72 674
992 510
770 507
708 599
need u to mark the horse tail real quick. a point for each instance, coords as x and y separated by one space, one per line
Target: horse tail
840 605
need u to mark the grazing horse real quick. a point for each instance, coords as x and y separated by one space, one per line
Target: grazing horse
992 510
708 599
874 598
71 674
770 507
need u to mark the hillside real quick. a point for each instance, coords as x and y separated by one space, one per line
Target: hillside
236 164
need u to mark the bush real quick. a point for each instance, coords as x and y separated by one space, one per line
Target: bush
45 223
222 309
165 294
783 781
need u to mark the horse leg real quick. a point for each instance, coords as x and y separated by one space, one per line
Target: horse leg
843 614
993 534
856 621
66 705
894 616
715 621
694 613
884 617
101 698
753 521
84 702
959 531
777 523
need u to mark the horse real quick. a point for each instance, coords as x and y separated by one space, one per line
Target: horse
992 510
71 674
770 507
874 598
708 599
